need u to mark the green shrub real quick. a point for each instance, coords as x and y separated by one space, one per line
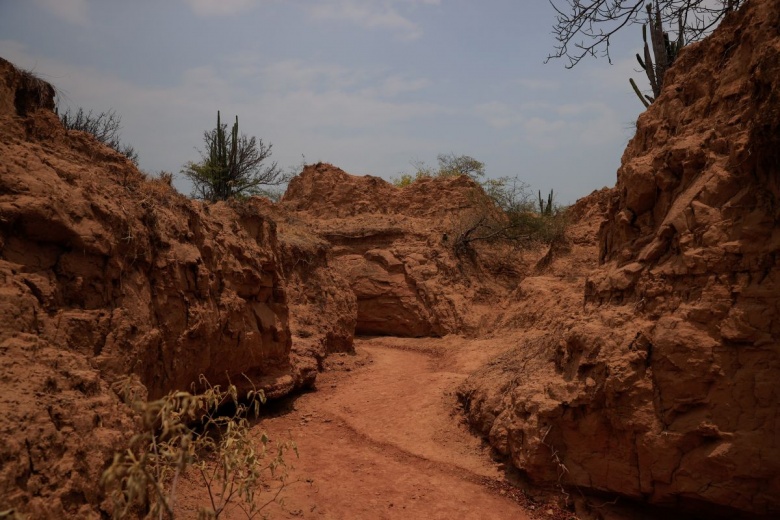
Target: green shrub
450 165
232 166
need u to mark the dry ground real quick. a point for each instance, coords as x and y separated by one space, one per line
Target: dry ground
381 438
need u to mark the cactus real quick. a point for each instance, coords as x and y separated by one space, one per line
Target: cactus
644 98
222 162
546 210
664 50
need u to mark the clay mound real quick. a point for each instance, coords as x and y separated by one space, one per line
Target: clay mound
323 309
104 274
395 248
325 191
665 386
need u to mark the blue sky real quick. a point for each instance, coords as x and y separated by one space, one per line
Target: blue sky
368 85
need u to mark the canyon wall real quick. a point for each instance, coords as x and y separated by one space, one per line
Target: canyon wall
663 385
105 274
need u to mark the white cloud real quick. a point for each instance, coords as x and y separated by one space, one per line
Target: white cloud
286 76
342 110
614 77
394 86
547 127
577 126
72 11
327 95
283 76
206 8
498 114
536 84
369 14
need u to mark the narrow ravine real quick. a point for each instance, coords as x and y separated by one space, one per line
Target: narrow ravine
378 439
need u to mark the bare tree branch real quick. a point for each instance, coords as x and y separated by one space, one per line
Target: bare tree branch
585 27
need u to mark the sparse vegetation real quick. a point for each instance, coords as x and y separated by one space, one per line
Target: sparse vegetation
450 165
520 226
546 209
664 50
585 27
33 93
104 126
233 166
231 465
504 211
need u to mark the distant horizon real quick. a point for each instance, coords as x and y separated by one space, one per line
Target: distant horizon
369 87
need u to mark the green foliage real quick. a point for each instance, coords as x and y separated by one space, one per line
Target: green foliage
142 480
664 50
404 180
450 165
232 166
104 126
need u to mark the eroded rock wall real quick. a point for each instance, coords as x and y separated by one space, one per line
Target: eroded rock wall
323 307
665 386
393 247
105 274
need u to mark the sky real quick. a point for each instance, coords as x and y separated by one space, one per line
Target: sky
370 86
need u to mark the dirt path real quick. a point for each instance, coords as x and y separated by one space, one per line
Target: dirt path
377 440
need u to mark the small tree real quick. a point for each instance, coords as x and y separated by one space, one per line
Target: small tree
104 126
450 165
232 165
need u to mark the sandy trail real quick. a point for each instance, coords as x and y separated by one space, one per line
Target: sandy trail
377 440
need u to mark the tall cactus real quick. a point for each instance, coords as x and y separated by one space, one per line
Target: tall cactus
546 210
223 159
664 50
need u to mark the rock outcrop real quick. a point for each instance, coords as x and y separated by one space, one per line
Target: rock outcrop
665 386
393 246
323 308
105 274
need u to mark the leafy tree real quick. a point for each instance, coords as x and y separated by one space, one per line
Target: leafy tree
232 165
450 165
104 126
585 27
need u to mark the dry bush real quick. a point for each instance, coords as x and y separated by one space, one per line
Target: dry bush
504 213
186 431
105 126
32 93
